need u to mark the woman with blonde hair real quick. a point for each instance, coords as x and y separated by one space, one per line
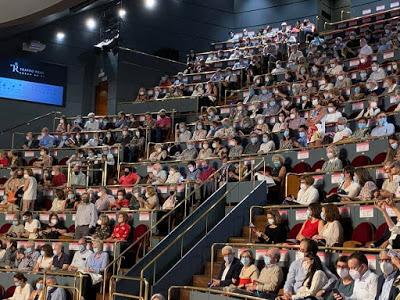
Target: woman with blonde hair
150 199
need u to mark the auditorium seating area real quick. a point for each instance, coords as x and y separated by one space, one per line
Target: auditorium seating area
313 117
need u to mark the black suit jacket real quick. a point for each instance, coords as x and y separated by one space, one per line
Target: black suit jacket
394 291
233 272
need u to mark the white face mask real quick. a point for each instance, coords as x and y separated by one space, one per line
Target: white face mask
271 221
299 255
330 155
303 186
331 109
386 267
342 272
354 274
26 176
228 258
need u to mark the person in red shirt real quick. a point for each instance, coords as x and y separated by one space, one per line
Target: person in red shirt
121 200
205 170
58 179
122 229
163 126
3 160
129 178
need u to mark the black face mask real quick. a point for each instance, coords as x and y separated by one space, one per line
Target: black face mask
126 173
76 172
19 176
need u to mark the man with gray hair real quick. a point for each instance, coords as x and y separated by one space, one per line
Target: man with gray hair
271 276
386 289
53 292
343 131
157 297
230 270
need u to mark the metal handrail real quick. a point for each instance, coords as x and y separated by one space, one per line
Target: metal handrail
149 232
116 277
211 291
187 229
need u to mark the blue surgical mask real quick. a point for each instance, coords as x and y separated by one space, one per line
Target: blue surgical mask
245 261
323 217
286 133
382 121
267 260
361 125
277 163
394 146
302 134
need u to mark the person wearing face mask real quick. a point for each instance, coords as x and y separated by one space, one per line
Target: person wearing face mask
31 142
343 131
391 237
287 141
331 234
105 199
17 227
333 163
295 120
390 86
362 130
183 135
45 259
59 201
267 284
174 176
358 92
333 115
200 132
230 270
162 126
159 175
297 273
226 131
37 293
308 193
46 140
279 69
58 179
80 256
23 289
10 253
32 226
373 88
60 259
365 281
345 284
313 224
261 125
136 146
91 124
352 45
77 177
378 73
189 153
30 191
365 49
142 95
150 200
54 229
95 265
205 151
386 290
267 144
275 231
85 217
53 292
315 278
212 114
122 229
393 150
248 274
121 201
129 177
103 228
383 127
109 139
342 81
272 108
253 146
280 123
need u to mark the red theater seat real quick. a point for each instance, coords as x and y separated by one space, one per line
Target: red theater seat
380 158
301 167
10 292
4 228
294 231
361 161
380 231
363 233
317 165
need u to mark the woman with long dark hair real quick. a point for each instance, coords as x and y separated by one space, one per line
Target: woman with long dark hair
315 278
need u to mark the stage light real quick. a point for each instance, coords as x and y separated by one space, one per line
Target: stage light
60 36
150 4
122 13
91 23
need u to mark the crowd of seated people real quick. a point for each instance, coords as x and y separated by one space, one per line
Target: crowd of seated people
296 88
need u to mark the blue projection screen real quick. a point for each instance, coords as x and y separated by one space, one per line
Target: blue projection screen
38 82
31 91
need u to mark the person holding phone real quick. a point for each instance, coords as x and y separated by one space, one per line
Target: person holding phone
344 286
365 281
275 232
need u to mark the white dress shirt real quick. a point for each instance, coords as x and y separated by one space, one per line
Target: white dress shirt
365 288
227 267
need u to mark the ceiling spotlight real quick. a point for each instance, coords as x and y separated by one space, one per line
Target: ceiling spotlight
91 23
60 36
122 13
150 4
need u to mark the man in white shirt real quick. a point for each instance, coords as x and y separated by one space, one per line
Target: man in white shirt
386 289
365 49
92 124
308 193
383 127
343 131
229 273
79 261
32 225
365 281
295 53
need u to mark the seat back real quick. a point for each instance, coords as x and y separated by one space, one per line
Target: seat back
380 231
317 165
363 233
361 161
294 231
301 167
378 159
10 292
4 228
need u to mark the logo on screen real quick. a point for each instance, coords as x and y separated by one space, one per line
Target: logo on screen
16 68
